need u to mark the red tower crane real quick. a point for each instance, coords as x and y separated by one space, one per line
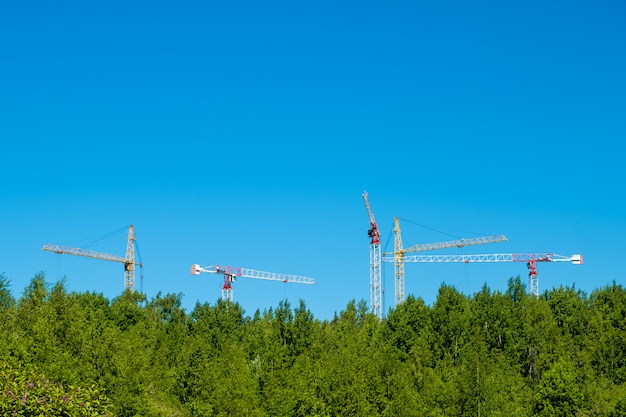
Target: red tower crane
531 260
232 272
376 292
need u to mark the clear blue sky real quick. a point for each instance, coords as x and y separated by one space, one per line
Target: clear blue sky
243 133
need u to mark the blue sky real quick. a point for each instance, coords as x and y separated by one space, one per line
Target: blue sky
243 133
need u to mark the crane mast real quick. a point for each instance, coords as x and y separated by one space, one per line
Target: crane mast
531 260
398 263
232 272
399 252
128 261
376 293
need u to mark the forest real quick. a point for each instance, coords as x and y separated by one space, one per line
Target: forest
487 354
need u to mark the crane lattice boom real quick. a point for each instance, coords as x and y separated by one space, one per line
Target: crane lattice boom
376 281
506 257
531 260
128 261
251 273
373 230
422 247
231 272
82 252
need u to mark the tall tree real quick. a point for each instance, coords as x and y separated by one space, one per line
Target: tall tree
559 394
407 323
450 323
6 298
608 329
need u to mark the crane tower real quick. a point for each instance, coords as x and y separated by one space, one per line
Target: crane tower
231 273
376 291
531 260
399 252
128 261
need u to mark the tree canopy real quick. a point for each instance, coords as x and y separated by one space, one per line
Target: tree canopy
492 353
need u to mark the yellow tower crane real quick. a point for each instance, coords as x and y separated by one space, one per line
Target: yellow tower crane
399 251
128 261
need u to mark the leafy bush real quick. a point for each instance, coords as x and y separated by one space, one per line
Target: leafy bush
27 392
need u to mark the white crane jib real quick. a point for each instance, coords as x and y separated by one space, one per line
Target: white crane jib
494 257
531 260
231 272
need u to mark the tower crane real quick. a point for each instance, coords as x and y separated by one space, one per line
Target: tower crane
128 261
531 260
230 273
376 292
399 252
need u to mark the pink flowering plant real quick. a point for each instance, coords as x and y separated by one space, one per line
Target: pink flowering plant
27 392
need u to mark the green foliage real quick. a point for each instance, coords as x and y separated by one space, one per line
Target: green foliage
608 327
620 408
450 323
570 310
495 354
28 392
407 323
559 394
6 299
